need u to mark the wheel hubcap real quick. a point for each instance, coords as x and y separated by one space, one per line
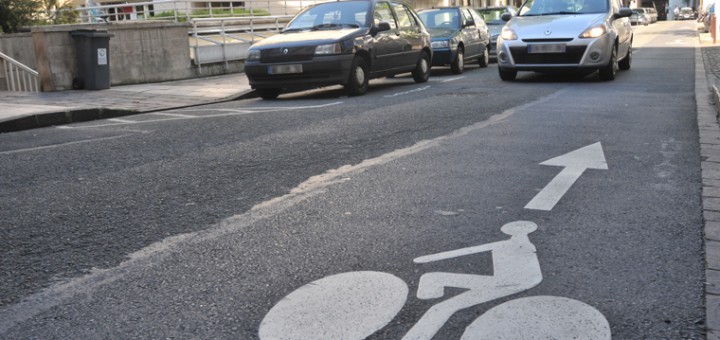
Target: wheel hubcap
461 60
424 65
360 76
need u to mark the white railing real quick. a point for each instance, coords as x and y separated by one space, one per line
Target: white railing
226 39
19 77
185 10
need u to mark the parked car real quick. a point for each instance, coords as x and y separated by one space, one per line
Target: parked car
686 13
458 34
341 42
552 35
651 13
639 18
493 20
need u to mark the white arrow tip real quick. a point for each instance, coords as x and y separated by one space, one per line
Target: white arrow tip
589 157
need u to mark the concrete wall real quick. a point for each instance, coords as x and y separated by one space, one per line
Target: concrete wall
139 52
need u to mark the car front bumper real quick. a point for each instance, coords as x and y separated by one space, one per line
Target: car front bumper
579 54
319 71
443 56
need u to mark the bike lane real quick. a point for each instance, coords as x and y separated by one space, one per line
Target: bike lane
625 240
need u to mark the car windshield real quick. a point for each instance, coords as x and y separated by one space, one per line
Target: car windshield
563 7
440 18
686 10
331 15
492 16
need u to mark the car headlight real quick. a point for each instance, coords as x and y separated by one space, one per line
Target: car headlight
508 34
440 44
328 49
593 32
253 55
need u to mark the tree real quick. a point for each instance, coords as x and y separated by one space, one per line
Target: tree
15 14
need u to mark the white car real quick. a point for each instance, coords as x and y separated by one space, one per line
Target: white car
550 35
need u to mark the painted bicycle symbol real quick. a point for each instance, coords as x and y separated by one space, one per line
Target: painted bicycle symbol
354 305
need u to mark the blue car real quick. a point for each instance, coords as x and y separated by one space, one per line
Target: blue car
458 34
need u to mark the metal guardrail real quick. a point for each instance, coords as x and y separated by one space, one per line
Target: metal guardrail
227 39
19 77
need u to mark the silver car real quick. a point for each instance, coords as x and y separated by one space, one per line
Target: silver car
550 35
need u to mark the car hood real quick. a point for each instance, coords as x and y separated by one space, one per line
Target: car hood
306 38
441 32
553 26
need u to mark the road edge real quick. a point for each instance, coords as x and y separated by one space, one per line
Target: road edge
707 97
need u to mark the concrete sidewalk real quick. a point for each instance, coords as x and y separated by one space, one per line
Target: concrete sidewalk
25 110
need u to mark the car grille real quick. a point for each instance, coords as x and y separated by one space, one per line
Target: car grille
572 55
287 54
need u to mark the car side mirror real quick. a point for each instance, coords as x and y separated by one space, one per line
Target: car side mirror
382 26
506 17
469 23
623 13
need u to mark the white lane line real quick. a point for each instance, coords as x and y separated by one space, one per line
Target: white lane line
408 92
229 112
63 144
124 121
452 79
172 114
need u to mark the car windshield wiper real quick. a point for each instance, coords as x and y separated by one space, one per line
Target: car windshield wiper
560 13
333 25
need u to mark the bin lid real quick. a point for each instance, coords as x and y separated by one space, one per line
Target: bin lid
91 33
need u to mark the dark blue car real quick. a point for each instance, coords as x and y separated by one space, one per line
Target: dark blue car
458 34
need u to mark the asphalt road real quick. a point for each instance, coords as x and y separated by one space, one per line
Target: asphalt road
195 223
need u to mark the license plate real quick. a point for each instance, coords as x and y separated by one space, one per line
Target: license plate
285 69
546 48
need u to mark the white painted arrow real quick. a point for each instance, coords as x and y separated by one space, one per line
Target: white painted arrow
575 163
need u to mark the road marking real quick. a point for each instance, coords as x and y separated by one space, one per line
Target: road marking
575 163
63 144
227 113
172 114
540 317
451 79
124 121
408 92
351 305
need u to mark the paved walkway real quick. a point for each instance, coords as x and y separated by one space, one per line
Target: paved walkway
24 110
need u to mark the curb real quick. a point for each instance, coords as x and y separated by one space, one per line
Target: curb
708 105
61 117
89 114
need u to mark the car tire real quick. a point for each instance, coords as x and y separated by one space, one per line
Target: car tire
421 73
627 61
507 75
608 71
484 59
357 85
268 94
458 65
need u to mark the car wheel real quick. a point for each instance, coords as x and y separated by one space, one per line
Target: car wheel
268 93
507 75
458 65
421 73
627 61
484 59
357 85
608 72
